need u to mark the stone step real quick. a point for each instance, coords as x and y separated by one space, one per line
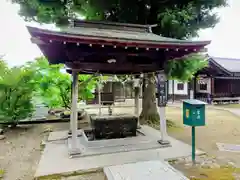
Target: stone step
148 170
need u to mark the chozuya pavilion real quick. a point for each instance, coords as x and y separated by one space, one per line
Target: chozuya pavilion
108 48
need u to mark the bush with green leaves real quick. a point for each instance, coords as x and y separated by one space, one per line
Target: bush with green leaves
53 86
16 91
20 86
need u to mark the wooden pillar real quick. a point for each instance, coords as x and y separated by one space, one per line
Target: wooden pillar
70 130
231 87
143 84
74 146
136 98
124 89
212 86
173 87
99 100
194 87
163 124
167 89
162 101
191 89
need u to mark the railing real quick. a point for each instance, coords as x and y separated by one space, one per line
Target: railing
218 97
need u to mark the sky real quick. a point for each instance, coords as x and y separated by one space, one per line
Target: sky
15 41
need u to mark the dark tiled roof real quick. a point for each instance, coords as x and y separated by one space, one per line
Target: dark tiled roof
120 30
72 43
123 34
230 64
116 31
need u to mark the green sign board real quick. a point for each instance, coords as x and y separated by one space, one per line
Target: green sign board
194 112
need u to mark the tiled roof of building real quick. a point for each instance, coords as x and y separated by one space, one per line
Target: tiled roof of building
230 64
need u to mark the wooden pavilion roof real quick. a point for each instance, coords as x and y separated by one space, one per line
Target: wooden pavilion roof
112 48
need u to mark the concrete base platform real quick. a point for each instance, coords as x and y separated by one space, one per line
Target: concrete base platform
55 159
143 141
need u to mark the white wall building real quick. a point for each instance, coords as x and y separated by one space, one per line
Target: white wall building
177 89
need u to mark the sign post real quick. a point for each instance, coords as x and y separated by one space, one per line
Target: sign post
193 145
162 102
193 115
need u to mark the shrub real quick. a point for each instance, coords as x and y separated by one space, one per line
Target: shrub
16 91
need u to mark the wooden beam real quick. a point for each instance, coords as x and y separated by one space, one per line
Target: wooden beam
114 67
212 86
106 51
109 72
103 54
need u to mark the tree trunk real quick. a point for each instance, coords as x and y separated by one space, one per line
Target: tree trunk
149 112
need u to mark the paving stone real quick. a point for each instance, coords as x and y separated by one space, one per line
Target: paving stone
143 171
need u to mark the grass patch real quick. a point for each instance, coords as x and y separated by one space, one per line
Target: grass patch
173 122
171 125
223 173
228 105
208 172
2 172
215 119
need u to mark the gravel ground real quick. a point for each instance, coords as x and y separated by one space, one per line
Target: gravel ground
20 151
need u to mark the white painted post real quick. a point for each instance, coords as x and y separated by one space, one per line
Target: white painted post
136 102
74 149
136 99
163 123
191 94
162 93
137 105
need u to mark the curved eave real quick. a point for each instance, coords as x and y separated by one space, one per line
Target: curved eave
216 65
76 38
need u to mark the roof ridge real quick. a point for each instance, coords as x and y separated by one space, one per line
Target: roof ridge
225 58
113 25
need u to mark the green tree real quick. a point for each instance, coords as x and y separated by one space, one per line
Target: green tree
176 19
54 86
185 69
16 91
